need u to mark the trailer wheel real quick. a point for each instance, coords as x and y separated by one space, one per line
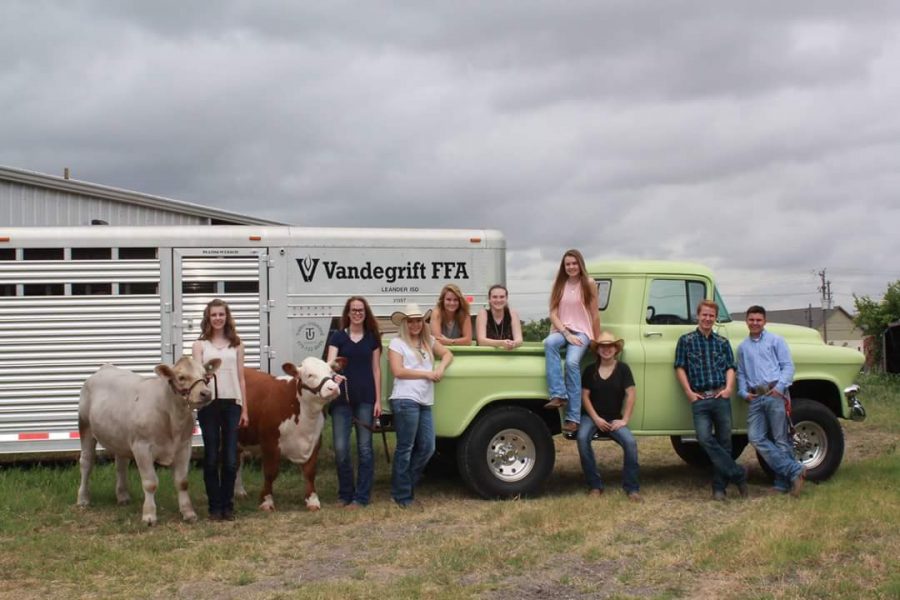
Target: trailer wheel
818 441
693 454
507 452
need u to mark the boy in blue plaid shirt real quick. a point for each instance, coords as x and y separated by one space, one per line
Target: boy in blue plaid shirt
704 366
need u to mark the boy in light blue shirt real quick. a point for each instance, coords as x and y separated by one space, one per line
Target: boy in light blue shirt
765 373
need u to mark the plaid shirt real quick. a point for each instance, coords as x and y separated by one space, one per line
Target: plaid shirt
706 360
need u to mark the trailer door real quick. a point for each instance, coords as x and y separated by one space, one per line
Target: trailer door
239 276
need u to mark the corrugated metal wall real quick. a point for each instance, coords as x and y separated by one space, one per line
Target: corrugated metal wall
27 205
50 344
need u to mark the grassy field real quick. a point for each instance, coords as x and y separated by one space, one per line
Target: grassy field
840 540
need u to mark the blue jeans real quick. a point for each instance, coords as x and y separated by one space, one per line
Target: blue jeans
768 430
341 424
571 389
624 438
415 444
219 427
715 414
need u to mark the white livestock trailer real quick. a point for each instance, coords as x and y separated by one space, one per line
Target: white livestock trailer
73 298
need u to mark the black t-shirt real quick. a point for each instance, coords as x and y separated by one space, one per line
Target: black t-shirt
608 395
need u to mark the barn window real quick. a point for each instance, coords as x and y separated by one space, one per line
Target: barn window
42 254
91 253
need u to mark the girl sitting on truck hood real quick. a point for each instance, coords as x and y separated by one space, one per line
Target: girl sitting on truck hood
575 320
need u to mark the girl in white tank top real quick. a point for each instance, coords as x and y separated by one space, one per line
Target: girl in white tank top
221 419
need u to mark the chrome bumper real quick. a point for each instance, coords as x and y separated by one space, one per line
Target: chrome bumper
857 411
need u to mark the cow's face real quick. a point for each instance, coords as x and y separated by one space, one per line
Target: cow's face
315 376
188 379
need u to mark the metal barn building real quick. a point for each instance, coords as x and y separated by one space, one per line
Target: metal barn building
30 199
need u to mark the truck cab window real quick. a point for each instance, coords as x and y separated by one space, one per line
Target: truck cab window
674 301
724 316
603 288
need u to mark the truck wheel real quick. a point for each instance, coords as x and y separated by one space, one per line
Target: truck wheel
507 452
693 454
818 442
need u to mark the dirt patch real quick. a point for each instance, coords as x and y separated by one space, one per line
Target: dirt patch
572 578
332 563
862 444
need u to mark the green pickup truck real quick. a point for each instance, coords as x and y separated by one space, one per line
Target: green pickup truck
488 408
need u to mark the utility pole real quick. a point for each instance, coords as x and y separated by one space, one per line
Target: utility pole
825 290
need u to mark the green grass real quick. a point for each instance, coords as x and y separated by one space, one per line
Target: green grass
881 397
841 539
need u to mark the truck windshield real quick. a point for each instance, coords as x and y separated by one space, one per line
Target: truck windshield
724 316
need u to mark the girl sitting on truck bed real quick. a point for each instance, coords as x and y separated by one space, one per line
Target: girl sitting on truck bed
575 320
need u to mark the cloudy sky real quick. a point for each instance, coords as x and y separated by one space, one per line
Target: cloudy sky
762 139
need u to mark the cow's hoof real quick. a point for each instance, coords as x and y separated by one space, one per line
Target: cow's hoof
268 504
190 517
83 503
240 493
123 500
150 520
312 503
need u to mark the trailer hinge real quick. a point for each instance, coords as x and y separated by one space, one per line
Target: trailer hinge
268 351
268 260
167 307
268 306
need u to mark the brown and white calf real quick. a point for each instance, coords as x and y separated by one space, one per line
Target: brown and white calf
286 419
148 418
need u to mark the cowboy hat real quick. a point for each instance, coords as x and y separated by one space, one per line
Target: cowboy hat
606 338
409 311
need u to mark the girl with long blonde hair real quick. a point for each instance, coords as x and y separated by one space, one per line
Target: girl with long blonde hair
411 357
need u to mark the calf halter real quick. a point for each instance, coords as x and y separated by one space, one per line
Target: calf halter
318 388
186 392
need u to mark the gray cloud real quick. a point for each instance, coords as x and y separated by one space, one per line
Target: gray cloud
759 139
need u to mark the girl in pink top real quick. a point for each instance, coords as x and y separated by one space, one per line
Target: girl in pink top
575 320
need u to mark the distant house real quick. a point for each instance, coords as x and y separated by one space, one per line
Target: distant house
835 325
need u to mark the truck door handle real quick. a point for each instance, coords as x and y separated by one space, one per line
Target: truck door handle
652 333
